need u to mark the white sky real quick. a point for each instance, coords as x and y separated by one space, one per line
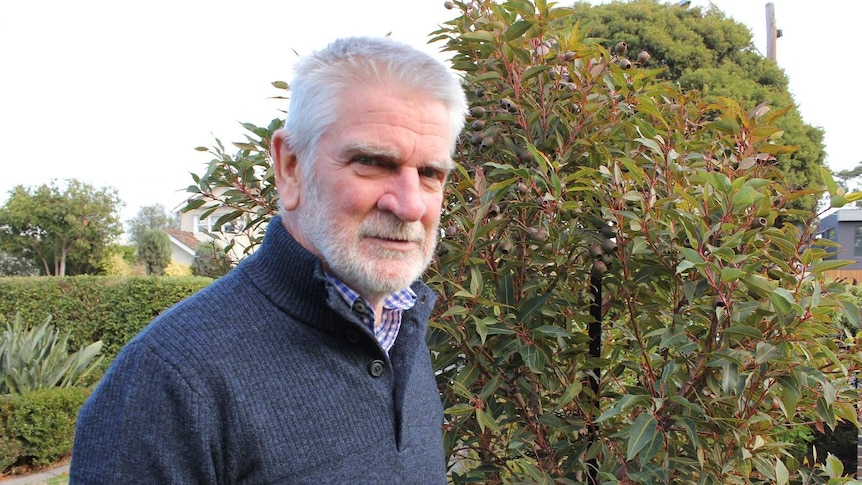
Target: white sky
119 93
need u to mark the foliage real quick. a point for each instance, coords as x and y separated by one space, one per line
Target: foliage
36 428
110 309
61 229
711 53
210 261
630 287
40 358
623 297
16 266
154 250
150 217
176 269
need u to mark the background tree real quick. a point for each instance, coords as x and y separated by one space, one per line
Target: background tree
711 53
150 217
62 228
154 250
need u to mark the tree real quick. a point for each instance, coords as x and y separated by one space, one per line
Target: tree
154 250
63 229
711 53
151 217
623 296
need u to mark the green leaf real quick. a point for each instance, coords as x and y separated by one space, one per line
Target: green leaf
516 30
828 181
642 433
486 421
459 409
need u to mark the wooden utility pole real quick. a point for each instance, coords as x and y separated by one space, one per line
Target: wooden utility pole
772 32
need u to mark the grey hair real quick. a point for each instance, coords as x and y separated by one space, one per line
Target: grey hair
322 76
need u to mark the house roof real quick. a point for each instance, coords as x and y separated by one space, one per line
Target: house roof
185 240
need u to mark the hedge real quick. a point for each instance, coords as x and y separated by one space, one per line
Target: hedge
108 308
37 427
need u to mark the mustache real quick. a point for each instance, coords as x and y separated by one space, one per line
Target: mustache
387 226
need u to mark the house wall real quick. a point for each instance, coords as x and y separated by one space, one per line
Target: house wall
840 226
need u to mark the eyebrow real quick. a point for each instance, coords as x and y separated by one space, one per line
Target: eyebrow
391 156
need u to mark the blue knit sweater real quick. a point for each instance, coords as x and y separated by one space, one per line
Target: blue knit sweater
263 377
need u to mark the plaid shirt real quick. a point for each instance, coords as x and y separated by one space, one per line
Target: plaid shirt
390 321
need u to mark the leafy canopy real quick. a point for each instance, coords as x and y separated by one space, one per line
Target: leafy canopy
62 228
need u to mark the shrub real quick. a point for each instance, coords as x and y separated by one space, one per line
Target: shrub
39 358
37 428
154 250
177 269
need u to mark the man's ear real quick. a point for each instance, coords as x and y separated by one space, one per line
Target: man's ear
286 167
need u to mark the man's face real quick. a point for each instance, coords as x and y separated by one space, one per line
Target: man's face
372 207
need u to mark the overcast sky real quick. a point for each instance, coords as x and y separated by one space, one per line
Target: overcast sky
119 93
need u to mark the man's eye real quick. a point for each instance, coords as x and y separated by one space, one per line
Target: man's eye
367 161
430 172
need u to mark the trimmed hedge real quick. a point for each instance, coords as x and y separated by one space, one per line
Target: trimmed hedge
36 428
108 308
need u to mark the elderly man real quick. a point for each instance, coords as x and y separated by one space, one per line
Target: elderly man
307 363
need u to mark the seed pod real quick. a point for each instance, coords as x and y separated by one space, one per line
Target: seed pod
493 210
478 125
620 48
477 111
625 63
607 259
758 222
451 231
477 137
507 104
542 50
480 92
505 246
599 268
609 246
595 251
643 57
487 142
539 234
608 231
449 5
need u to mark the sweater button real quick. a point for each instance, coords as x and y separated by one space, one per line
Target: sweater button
376 368
360 306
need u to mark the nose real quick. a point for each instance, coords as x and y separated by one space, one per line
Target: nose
404 197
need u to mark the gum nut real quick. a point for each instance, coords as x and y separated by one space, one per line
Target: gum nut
625 63
599 268
608 231
620 48
451 230
449 5
643 57
480 92
477 137
477 111
595 250
609 246
478 125
506 103
539 234
487 141
506 246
